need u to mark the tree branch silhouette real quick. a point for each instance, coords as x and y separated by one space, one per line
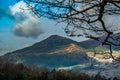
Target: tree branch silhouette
85 16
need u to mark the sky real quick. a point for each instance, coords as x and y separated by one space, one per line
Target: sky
20 28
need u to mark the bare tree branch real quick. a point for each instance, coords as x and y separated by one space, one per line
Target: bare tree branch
85 16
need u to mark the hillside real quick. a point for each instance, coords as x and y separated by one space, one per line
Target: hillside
55 51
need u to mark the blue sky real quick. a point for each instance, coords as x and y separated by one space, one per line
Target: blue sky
16 27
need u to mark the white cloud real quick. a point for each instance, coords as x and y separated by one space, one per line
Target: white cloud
26 24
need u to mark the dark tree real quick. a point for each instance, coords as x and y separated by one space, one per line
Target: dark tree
83 17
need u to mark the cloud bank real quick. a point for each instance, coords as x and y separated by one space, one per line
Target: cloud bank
26 24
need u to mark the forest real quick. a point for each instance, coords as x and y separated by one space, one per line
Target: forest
33 72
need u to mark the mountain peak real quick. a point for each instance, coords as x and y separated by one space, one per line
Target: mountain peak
54 37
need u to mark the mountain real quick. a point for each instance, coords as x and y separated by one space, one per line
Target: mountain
55 51
54 42
50 44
